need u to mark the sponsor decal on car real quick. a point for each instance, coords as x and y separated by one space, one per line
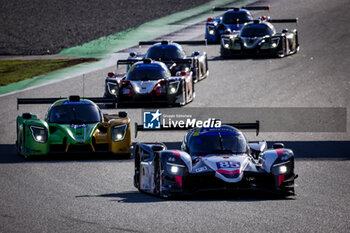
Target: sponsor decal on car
156 120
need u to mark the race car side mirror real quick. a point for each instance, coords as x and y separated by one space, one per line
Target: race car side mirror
278 146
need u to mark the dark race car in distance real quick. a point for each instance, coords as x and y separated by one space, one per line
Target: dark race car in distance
231 22
150 82
172 53
213 159
261 38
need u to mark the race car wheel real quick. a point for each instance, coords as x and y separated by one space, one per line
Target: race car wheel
159 180
225 53
206 71
20 145
282 52
183 97
126 156
193 93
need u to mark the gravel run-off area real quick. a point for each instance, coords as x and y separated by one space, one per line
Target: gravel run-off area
39 27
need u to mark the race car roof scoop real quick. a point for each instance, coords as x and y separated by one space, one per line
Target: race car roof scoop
74 98
26 115
183 42
284 20
122 114
250 8
255 126
52 100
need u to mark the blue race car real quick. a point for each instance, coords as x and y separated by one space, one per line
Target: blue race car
231 22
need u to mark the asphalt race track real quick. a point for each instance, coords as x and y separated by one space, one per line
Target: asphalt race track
96 193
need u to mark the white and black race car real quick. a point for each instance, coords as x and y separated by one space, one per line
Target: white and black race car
150 82
260 37
214 159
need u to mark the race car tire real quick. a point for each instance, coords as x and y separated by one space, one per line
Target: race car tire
193 93
19 145
158 180
127 156
184 98
224 53
206 72
282 52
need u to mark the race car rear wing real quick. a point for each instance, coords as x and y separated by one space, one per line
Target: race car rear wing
183 42
71 98
255 126
283 20
250 8
178 61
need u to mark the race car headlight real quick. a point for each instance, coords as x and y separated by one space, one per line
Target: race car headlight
175 169
211 30
173 87
226 43
112 88
274 42
118 132
281 168
39 134
265 45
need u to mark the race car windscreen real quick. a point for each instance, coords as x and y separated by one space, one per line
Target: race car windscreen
236 17
167 53
149 72
218 143
259 30
75 114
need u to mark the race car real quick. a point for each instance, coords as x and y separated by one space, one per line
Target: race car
210 159
151 82
172 53
231 22
261 38
72 125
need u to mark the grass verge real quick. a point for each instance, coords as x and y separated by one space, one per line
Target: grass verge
12 71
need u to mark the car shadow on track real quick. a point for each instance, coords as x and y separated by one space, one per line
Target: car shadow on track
302 150
126 197
137 197
8 154
247 57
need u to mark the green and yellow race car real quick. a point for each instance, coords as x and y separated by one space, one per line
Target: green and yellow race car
72 125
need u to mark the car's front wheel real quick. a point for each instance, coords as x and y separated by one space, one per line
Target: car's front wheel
158 173
224 53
